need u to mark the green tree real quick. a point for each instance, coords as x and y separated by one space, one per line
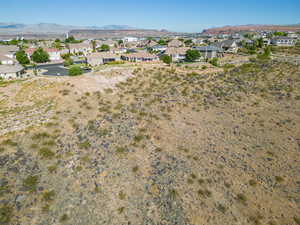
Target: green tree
13 42
68 62
188 42
57 44
260 43
248 35
94 45
22 57
40 56
266 55
214 62
280 33
75 71
192 55
71 39
166 59
162 42
120 42
104 48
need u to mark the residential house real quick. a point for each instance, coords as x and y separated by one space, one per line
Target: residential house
236 36
100 58
223 36
81 48
146 43
177 54
9 50
267 41
228 46
130 39
159 48
54 54
140 57
209 52
292 34
283 41
11 71
118 50
175 43
110 43
198 41
4 60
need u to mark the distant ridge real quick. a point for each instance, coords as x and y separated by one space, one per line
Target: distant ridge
52 28
252 27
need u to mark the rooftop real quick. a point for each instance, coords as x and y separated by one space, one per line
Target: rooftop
11 68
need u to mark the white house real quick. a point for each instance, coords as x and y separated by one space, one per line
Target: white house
100 58
11 71
118 50
9 50
177 54
229 46
140 57
283 41
130 39
198 41
292 34
209 52
175 43
159 48
4 60
84 48
54 54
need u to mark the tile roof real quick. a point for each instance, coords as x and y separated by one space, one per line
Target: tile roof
173 51
102 55
10 68
140 55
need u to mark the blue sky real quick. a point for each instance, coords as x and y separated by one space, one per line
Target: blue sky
187 15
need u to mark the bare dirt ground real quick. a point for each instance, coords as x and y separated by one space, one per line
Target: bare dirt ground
153 145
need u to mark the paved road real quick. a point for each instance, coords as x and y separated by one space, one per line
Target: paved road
57 69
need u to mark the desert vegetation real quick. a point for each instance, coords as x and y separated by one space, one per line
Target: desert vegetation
167 145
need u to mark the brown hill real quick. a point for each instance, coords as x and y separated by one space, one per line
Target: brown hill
233 29
90 33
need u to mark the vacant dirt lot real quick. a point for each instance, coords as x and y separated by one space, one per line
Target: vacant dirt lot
153 145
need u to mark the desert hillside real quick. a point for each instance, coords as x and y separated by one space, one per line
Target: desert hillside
241 28
153 145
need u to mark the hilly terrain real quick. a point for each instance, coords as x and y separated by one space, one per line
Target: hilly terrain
153 145
241 28
50 28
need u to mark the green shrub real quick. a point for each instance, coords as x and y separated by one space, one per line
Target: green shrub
214 62
30 183
5 214
75 71
9 142
242 198
68 62
46 153
84 145
48 195
63 218
166 59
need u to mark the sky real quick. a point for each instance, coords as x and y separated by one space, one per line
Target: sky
173 15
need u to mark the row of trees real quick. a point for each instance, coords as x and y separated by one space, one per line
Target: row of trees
38 56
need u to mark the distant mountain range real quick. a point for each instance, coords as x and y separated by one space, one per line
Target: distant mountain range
52 28
252 27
